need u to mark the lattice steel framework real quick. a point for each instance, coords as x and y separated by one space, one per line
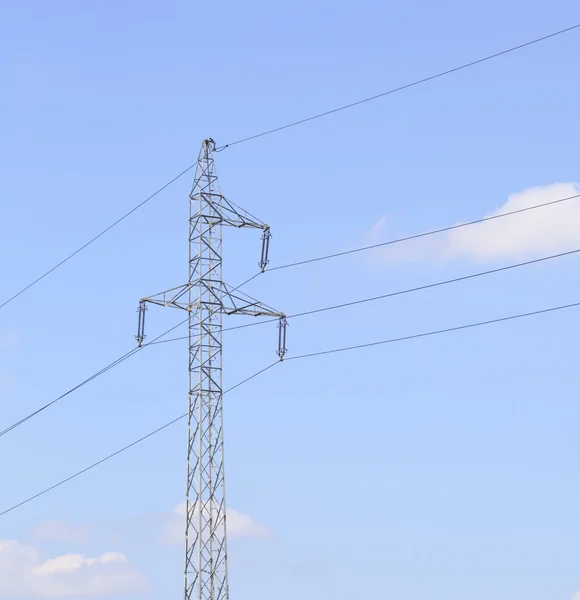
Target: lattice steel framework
206 298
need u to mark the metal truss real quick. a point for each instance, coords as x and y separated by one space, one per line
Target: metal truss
206 298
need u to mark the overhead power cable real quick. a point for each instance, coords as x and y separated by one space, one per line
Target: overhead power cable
393 294
159 340
124 448
402 87
436 332
96 237
424 234
68 392
287 126
110 366
300 357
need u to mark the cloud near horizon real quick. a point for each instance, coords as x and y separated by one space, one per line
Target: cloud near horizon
526 235
238 526
23 573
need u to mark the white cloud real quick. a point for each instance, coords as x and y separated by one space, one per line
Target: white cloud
71 562
23 573
529 234
238 525
377 230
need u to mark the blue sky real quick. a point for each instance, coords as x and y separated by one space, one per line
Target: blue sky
442 468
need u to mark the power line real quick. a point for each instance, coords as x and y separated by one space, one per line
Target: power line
158 339
397 293
287 126
124 448
94 239
398 241
300 357
436 284
62 482
89 379
402 87
110 366
437 332
424 234
318 258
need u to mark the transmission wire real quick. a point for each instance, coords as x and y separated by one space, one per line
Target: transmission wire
94 239
127 447
158 339
393 294
424 234
401 88
300 357
110 366
436 332
287 126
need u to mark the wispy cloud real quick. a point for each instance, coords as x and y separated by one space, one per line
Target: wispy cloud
72 562
24 573
546 230
238 526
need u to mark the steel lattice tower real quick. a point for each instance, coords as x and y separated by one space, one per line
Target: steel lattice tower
206 298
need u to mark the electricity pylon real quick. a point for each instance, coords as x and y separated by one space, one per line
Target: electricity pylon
206 298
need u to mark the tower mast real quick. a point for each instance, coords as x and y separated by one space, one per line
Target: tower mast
206 298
